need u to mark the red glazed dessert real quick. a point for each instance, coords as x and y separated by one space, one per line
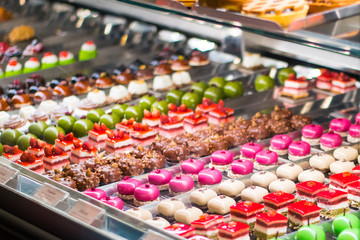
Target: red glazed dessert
340 126
195 122
80 152
353 190
308 190
181 230
330 140
246 212
36 147
209 177
113 201
97 136
265 159
343 83
192 167
160 178
13 154
249 150
324 80
341 180
280 144
126 188
142 134
170 126
206 106
31 162
278 202
234 231
311 134
152 119
354 133
146 194
332 202
118 141
54 158
95 193
269 225
303 213
65 142
181 111
221 114
221 159
181 184
298 150
207 225
126 125
240 167
356 170
295 88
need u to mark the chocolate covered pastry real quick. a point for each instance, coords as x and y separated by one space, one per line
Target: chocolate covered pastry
300 121
218 142
199 148
260 118
153 160
258 131
176 153
281 113
279 126
242 123
129 165
109 173
160 144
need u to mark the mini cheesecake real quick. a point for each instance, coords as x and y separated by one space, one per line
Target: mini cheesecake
181 230
332 202
341 180
31 162
195 122
220 114
234 231
303 213
206 106
12 154
207 225
246 212
125 125
118 141
170 126
152 119
295 88
65 143
80 152
308 190
181 111
278 202
269 225
142 134
54 158
353 190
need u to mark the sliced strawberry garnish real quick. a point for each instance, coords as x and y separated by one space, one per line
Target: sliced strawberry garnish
124 122
172 107
33 142
119 134
176 119
206 102
7 149
69 137
156 113
61 136
87 146
31 157
144 127
182 108
24 156
57 150
137 126
220 106
292 76
131 120
103 127
48 150
164 119
96 127
109 133
197 114
41 144
147 113
77 143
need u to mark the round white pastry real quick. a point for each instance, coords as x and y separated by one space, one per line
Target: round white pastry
13 68
97 96
47 106
282 184
263 178
251 60
49 59
181 78
25 112
188 215
32 63
3 117
231 187
289 171
341 166
137 87
346 153
88 46
220 204
118 93
321 161
71 101
141 213
254 194
201 196
162 82
168 207
67 56
158 222
311 175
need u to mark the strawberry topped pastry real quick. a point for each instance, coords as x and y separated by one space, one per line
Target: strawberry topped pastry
324 80
308 190
31 162
65 142
221 114
246 212
126 125
295 88
118 141
97 136
12 153
206 106
170 126
181 111
343 83
54 157
152 119
278 201
303 213
340 181
181 230
269 225
80 152
195 122
142 134
207 225
37 147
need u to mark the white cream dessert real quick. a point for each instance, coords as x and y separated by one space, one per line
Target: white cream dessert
231 187
321 161
181 78
26 111
220 204
263 178
254 194
251 60
311 175
289 171
138 87
49 58
162 83
32 63
3 117
158 222
188 215
119 94
88 46
346 153
13 66
65 56
97 96
47 106
282 184
71 101
341 166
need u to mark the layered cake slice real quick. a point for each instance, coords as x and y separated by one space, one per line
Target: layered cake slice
308 190
269 225
170 126
206 106
278 201
12 153
195 122
324 80
181 230
220 114
340 181
125 125
303 213
80 152
353 190
36 147
118 141
343 83
54 158
65 142
332 202
152 119
234 231
31 162
295 88
97 136
207 225
142 134
246 212
356 170
181 111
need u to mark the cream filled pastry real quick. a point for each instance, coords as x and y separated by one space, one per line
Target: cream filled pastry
181 78
202 196
97 96
220 204
26 111
263 178
289 171
321 161
254 194
47 106
346 153
119 94
188 215
162 83
282 184
231 187
341 166
71 101
138 87
158 222
168 207
3 117
311 175
140 213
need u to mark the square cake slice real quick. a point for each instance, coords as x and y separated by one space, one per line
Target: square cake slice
303 213
207 225
332 202
278 201
353 190
308 190
341 180
269 225
246 212
181 230
234 231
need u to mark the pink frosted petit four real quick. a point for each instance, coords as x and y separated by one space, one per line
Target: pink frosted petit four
181 184
311 134
209 177
126 188
192 167
113 201
249 150
265 159
221 159
298 150
340 126
160 178
354 133
95 193
330 140
240 167
146 194
280 144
